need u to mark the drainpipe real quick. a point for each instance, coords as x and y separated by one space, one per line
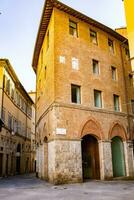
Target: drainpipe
126 91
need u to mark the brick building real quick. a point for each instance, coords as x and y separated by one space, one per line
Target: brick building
85 98
16 120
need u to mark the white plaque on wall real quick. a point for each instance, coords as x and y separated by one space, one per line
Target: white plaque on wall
61 131
62 59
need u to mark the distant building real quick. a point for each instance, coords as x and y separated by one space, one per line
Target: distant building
33 138
84 99
16 121
122 31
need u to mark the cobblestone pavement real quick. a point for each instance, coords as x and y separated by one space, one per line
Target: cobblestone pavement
29 187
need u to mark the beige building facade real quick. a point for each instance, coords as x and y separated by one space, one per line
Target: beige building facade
33 138
84 101
15 117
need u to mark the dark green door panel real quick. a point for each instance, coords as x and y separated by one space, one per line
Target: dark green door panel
118 157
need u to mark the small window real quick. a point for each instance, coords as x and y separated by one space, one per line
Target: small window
75 63
132 106
111 45
95 67
93 37
12 93
75 94
3 114
97 99
8 86
73 28
9 121
127 53
116 103
113 69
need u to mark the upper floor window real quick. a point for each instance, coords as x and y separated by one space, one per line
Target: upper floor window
9 121
95 67
98 98
132 105
73 28
93 37
116 102
3 114
12 93
75 94
127 53
111 45
113 69
8 86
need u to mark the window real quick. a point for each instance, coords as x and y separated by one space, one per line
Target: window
93 37
75 94
12 93
3 114
15 125
8 87
111 45
132 105
127 53
116 103
113 69
97 98
9 121
75 63
73 28
95 67
19 127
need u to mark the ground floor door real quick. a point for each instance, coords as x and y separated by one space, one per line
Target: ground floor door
7 157
118 157
1 163
18 165
90 158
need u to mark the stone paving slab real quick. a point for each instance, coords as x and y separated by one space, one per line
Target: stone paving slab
28 187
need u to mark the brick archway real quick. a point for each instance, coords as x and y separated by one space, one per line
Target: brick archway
117 129
91 127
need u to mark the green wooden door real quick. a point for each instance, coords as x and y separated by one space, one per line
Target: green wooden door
118 157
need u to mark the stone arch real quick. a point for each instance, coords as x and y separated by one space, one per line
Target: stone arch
117 129
91 127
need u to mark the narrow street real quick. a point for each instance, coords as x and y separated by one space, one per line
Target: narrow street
28 187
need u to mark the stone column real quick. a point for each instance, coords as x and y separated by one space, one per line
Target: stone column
128 153
64 161
106 169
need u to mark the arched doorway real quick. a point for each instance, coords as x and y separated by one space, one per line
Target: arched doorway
90 158
118 157
18 154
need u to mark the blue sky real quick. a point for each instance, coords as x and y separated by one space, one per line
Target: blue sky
19 23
